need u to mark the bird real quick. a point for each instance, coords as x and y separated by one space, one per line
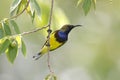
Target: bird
56 40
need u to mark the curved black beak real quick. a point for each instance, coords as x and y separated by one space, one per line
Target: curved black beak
77 25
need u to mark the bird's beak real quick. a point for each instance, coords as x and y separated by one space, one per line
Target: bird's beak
77 25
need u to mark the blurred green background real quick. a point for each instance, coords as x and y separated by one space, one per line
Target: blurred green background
91 53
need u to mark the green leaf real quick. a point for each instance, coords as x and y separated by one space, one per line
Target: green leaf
79 1
13 42
23 48
16 28
31 12
4 46
34 6
86 6
14 6
6 28
94 3
50 77
1 31
12 53
33 16
54 77
21 6
18 39
31 7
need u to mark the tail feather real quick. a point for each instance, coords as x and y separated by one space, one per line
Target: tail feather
36 57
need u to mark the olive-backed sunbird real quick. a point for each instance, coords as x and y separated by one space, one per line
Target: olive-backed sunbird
56 40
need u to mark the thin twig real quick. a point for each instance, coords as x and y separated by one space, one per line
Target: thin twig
13 17
48 37
20 12
48 61
51 12
35 30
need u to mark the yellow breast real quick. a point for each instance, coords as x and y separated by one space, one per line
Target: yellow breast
53 44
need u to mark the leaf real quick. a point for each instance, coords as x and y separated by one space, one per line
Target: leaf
31 13
23 48
50 77
21 6
86 6
31 7
29 10
18 39
34 6
14 5
12 53
6 28
33 16
54 77
1 41
4 46
13 13
16 28
79 1
94 3
1 31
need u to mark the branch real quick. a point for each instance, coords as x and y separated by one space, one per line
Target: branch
38 29
13 17
51 12
35 30
48 37
20 12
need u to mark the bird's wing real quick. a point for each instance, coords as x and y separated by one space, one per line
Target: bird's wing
47 39
44 44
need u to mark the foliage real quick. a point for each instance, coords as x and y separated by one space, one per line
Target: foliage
11 37
87 5
10 43
9 29
51 77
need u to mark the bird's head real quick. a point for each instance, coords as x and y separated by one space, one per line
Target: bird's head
67 28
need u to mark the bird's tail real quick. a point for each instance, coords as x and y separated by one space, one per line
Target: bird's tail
36 57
